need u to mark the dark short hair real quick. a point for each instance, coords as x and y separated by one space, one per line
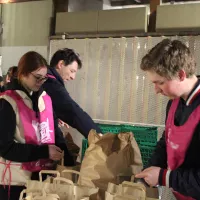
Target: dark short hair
12 72
168 57
67 55
30 62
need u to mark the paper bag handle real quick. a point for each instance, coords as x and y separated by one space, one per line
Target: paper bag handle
22 194
71 171
58 179
31 193
44 195
62 179
48 172
74 172
36 197
135 185
132 178
39 197
62 159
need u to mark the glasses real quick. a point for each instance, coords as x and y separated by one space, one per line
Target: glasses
39 79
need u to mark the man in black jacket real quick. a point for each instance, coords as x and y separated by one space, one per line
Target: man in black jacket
63 67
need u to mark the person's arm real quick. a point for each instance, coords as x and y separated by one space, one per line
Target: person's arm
68 110
61 143
184 181
59 138
11 150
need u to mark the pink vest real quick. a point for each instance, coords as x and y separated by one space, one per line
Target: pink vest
51 76
37 131
178 139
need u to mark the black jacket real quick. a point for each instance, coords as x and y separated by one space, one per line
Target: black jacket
2 88
65 107
18 152
186 178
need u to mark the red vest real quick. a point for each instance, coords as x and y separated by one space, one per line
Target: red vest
178 139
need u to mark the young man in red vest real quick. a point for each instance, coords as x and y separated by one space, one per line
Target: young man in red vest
175 163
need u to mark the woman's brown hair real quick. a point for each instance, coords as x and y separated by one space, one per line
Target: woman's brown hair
30 62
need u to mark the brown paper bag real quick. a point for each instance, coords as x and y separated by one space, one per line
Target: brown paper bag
119 197
127 190
38 196
71 146
82 191
136 190
71 176
49 187
64 188
73 191
108 157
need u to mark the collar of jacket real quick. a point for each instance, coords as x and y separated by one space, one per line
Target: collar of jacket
52 71
15 85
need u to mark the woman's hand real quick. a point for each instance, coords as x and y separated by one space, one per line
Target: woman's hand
55 153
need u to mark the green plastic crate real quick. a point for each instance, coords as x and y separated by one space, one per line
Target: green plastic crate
84 147
109 128
146 151
144 136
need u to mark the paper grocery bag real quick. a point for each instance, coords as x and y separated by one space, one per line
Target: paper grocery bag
60 168
128 190
71 145
118 197
108 157
73 191
64 188
136 190
81 191
38 196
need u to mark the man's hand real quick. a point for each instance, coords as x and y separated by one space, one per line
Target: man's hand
62 124
150 175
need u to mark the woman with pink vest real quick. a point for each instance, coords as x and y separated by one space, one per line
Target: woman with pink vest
27 128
